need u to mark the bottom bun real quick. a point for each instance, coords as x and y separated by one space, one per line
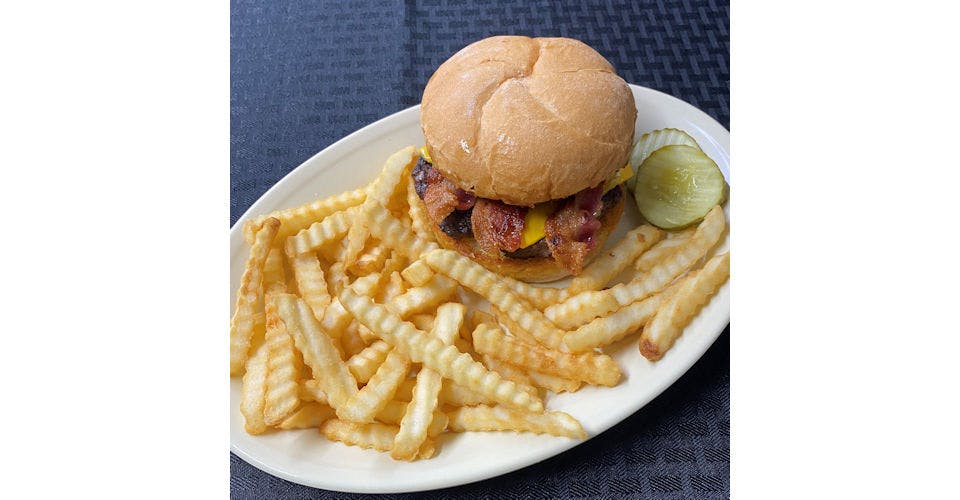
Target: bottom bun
535 269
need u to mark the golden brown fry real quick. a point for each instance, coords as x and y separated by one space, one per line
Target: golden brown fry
433 354
511 325
274 278
464 346
417 416
591 368
318 350
371 436
417 273
292 220
609 329
245 319
365 363
423 298
553 383
338 277
612 262
336 319
450 394
333 252
311 282
540 297
476 317
585 306
662 249
367 285
351 342
253 388
308 416
322 233
498 418
395 287
381 193
664 329
370 260
447 322
419 413
491 286
365 404
549 382
284 365
310 391
419 221
394 411
395 235
423 322
508 371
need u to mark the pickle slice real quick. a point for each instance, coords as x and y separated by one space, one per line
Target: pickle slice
652 141
677 185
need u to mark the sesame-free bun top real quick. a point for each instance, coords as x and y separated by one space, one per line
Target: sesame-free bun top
526 120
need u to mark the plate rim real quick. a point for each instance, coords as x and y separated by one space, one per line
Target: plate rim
711 130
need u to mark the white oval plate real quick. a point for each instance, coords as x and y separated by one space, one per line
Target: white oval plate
306 458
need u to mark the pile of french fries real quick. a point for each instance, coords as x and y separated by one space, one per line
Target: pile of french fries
349 319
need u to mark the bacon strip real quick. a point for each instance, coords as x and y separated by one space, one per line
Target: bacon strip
440 198
497 226
572 230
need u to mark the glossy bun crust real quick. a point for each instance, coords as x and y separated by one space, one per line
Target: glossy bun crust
526 120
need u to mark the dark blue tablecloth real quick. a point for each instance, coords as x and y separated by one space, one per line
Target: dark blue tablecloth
306 74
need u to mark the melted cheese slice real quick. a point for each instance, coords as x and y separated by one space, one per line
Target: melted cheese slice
425 154
534 225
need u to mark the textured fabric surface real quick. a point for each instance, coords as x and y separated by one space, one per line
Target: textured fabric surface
303 75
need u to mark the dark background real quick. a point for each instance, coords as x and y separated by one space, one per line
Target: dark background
304 75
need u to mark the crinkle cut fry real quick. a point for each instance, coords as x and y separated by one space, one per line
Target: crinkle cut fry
371 259
381 191
394 411
293 220
375 436
328 230
308 416
498 418
365 363
365 404
420 223
423 298
274 278
245 318
585 306
432 353
588 367
253 387
318 350
612 262
417 273
451 394
284 366
664 329
311 282
418 416
477 278
662 249
396 235
540 297
608 329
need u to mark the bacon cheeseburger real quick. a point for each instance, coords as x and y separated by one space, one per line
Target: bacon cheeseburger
527 142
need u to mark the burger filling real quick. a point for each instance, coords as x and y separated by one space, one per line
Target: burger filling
563 229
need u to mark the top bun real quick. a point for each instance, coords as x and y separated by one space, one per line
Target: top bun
527 120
